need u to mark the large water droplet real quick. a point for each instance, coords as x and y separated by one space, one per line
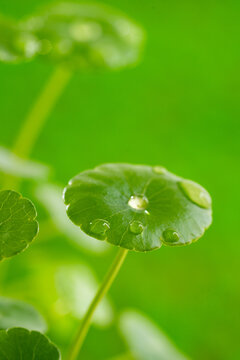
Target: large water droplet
99 227
136 227
196 193
159 170
138 202
170 236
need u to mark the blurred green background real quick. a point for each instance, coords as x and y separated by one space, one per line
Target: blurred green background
178 108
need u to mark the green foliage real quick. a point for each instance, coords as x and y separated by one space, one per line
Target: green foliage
145 340
137 207
18 226
19 343
16 313
11 164
86 36
16 44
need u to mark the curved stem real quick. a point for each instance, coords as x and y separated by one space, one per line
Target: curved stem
40 111
36 118
111 275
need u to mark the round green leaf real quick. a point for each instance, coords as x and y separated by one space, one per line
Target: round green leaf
15 313
86 36
19 343
16 44
18 226
138 207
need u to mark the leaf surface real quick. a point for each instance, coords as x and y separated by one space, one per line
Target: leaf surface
138 207
18 225
19 343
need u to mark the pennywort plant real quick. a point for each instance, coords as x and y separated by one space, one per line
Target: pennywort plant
134 207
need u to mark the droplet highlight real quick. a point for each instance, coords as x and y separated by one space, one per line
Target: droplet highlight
196 193
170 236
138 202
159 170
136 227
99 227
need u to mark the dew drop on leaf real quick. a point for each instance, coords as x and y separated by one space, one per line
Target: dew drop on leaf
99 227
170 236
138 202
159 170
136 227
196 193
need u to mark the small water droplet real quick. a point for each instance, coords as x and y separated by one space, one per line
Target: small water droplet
136 227
99 227
159 170
170 236
196 193
138 202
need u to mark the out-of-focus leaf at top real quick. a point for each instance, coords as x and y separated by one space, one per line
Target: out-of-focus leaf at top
146 340
13 165
19 343
76 286
18 226
16 44
50 195
138 207
16 313
90 36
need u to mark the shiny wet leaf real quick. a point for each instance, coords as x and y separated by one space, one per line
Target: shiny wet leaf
136 207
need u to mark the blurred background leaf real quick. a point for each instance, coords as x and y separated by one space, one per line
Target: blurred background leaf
15 313
145 340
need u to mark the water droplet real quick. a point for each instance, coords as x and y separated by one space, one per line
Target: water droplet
99 227
196 193
138 202
159 170
170 236
136 227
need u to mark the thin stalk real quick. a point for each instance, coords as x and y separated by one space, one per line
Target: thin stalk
107 282
36 119
37 116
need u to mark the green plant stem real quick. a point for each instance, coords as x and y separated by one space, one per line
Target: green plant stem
41 109
37 117
111 275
